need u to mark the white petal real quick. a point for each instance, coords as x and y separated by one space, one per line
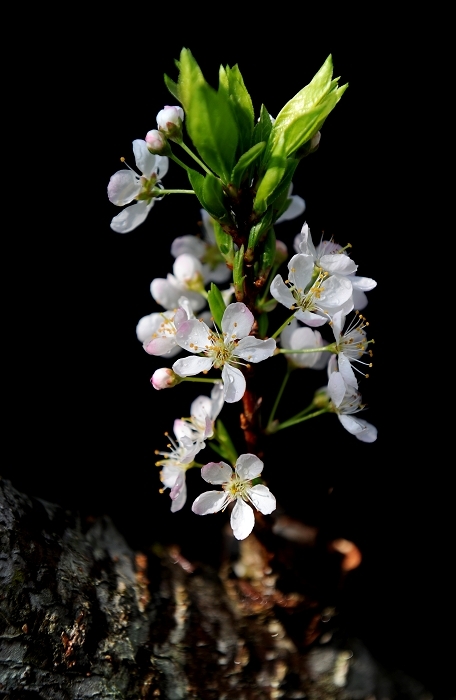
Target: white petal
295 208
364 284
303 242
338 264
314 320
346 371
169 475
145 160
242 520
280 291
190 245
217 400
249 466
162 346
194 335
210 502
364 431
200 409
360 300
254 349
217 473
237 321
131 217
182 429
187 268
336 388
335 291
219 274
208 227
262 499
233 384
123 187
300 270
338 322
190 365
286 335
179 501
147 326
161 165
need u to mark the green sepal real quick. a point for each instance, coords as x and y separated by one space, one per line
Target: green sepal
209 119
172 87
225 243
232 84
226 447
304 114
263 323
216 304
238 273
245 161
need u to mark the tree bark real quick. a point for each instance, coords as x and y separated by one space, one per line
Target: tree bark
84 617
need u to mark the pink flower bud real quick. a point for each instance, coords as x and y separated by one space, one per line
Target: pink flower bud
164 378
155 140
169 116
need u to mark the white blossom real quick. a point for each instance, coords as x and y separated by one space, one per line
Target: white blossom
187 281
233 346
237 486
203 413
175 464
351 346
346 401
314 297
332 258
297 337
126 185
214 268
157 331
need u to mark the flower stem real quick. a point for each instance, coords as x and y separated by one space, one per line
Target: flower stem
195 158
284 325
296 419
325 348
163 192
279 395
201 379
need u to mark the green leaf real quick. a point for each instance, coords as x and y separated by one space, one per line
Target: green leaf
197 183
225 243
258 231
301 117
271 180
216 304
241 103
227 448
208 117
172 87
263 128
245 161
214 197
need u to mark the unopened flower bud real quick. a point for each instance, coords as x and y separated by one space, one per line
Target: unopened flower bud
164 378
169 120
156 142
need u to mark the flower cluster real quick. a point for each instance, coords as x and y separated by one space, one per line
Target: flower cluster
242 183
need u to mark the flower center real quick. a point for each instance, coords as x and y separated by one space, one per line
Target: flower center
219 350
237 487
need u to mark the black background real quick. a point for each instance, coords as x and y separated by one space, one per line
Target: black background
82 418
